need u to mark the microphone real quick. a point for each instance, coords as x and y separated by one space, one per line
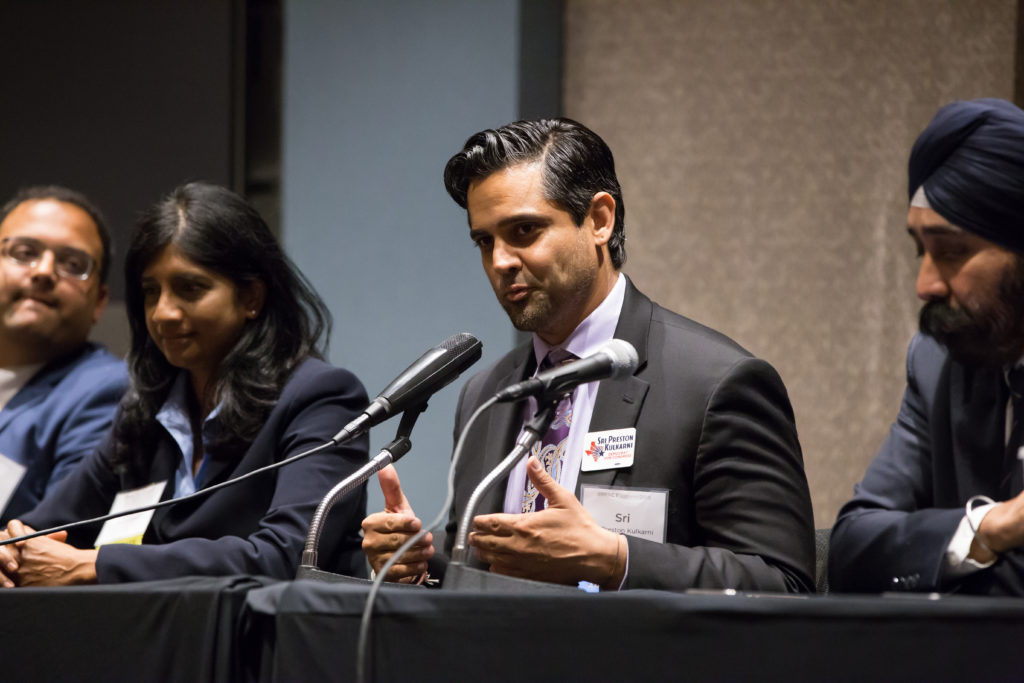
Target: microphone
433 371
615 359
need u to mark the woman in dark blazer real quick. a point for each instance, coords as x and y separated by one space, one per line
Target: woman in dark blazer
225 378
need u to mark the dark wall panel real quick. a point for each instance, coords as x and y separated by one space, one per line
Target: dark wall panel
120 99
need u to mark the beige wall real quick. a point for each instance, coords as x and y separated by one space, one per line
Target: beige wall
762 149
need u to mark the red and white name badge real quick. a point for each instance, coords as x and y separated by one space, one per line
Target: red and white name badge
609 450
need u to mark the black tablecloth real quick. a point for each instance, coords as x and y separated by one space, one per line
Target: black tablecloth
178 630
307 631
243 628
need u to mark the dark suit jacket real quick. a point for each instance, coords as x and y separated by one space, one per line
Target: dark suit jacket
946 445
62 414
714 426
256 527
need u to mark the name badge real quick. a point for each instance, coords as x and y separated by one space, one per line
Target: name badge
610 449
130 528
631 511
11 474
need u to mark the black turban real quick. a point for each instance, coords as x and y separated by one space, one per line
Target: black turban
970 160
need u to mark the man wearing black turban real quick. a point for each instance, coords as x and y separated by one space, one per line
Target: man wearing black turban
941 506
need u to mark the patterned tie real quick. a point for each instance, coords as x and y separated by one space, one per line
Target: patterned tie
1013 476
551 449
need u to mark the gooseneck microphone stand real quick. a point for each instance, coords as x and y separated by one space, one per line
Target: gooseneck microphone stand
391 453
459 575
533 430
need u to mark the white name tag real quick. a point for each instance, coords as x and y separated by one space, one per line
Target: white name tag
634 512
610 449
10 476
131 528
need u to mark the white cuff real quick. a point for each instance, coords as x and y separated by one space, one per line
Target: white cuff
957 562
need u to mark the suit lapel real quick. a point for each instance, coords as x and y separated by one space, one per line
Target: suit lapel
978 414
618 403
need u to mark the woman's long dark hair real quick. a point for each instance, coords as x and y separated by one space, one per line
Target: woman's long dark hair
217 229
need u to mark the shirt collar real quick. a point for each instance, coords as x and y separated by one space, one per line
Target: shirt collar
173 414
13 379
595 330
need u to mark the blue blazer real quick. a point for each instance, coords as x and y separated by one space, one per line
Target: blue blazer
256 527
946 445
61 415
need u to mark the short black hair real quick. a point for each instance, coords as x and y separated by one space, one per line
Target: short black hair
68 196
577 165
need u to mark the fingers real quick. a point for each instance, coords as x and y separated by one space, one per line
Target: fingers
385 532
394 499
556 495
499 524
10 555
10 559
384 523
16 528
412 563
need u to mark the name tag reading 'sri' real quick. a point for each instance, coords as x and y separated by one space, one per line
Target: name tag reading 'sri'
130 528
631 511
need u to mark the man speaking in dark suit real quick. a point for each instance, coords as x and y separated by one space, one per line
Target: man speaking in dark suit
941 508
687 474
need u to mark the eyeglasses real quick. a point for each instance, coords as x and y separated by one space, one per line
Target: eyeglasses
67 261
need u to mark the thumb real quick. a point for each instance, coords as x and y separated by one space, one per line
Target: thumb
557 495
61 536
16 528
394 499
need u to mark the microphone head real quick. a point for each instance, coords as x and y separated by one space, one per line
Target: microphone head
623 357
460 343
434 370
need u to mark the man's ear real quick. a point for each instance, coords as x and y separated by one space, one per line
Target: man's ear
253 297
602 217
102 297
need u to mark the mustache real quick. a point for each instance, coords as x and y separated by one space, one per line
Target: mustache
939 319
979 340
22 293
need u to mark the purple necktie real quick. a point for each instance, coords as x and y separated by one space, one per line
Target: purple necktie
551 449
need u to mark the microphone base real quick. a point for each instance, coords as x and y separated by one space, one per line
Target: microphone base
313 574
462 577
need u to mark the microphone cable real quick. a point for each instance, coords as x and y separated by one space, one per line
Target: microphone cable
174 501
364 622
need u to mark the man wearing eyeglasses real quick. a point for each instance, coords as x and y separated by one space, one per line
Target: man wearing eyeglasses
58 392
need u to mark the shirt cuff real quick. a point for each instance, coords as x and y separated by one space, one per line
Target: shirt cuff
957 562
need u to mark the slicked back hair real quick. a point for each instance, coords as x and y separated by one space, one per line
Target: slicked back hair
577 165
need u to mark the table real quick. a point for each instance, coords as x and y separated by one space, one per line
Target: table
307 631
178 630
252 628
